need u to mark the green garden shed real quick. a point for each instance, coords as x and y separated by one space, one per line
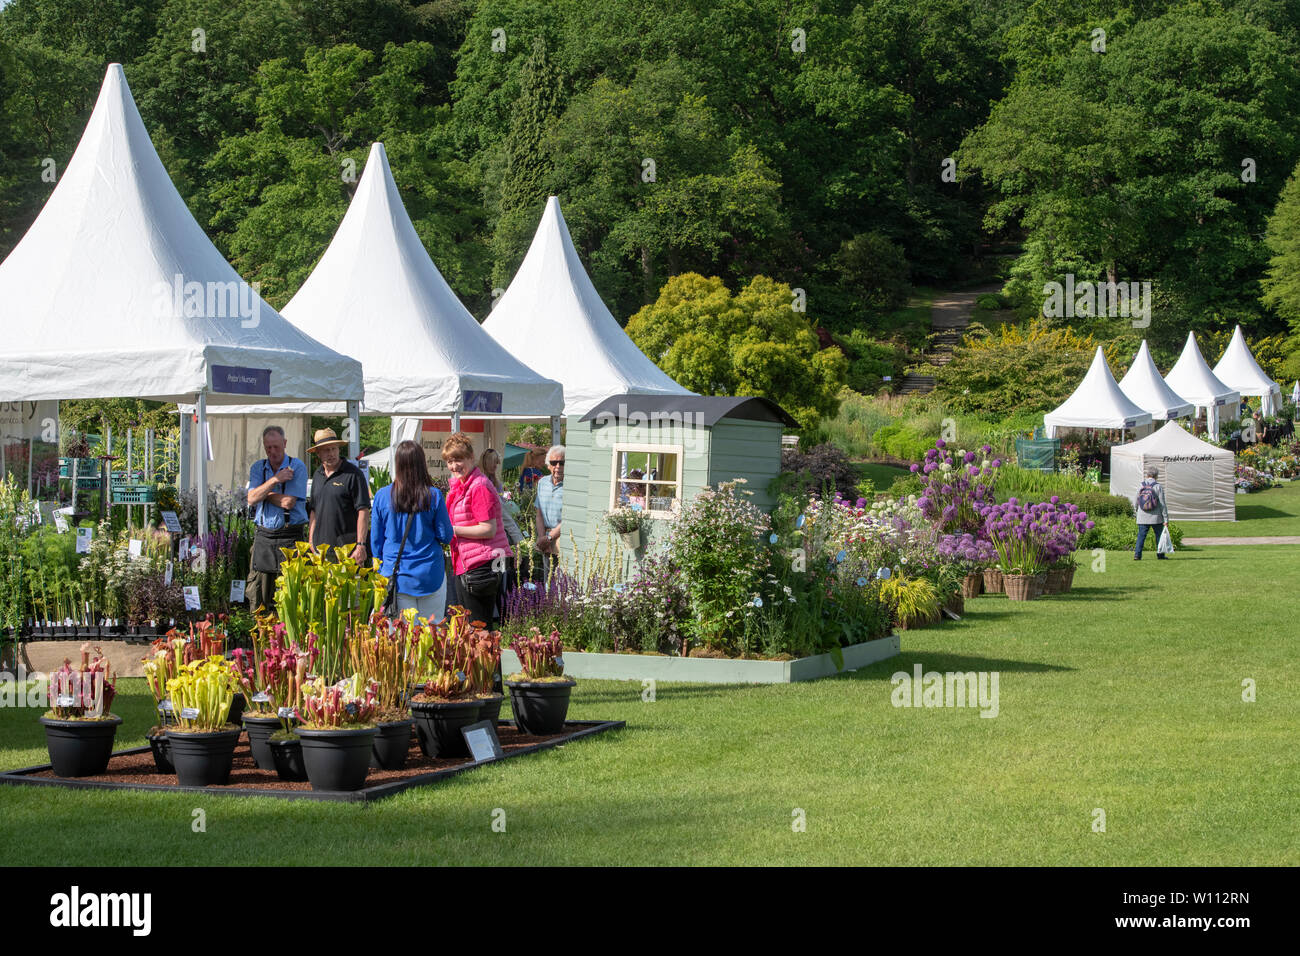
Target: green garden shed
659 451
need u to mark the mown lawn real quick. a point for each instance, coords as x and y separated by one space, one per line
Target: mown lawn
1125 695
1273 511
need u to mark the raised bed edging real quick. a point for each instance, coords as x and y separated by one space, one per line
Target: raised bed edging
22 777
706 670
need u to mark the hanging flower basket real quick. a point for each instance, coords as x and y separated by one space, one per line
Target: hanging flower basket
631 539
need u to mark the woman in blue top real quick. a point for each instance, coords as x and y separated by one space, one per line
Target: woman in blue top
412 499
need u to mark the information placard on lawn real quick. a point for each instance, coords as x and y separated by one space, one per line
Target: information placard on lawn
481 738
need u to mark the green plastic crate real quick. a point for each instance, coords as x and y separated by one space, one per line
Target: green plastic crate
134 494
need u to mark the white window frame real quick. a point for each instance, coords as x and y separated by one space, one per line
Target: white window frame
634 447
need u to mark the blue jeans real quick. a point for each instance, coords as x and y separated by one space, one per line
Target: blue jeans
1142 535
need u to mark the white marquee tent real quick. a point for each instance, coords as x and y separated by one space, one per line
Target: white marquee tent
1192 379
376 295
116 292
1199 478
1098 402
1239 371
553 318
1143 384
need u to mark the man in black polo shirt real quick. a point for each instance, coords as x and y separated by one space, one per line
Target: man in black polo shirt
339 506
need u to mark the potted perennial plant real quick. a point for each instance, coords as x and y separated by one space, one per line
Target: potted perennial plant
448 701
383 653
159 669
539 692
628 523
338 732
203 741
79 728
280 672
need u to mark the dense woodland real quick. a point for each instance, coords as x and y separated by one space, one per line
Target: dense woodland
851 150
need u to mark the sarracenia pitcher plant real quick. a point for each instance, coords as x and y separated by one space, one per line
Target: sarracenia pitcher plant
201 694
384 654
324 592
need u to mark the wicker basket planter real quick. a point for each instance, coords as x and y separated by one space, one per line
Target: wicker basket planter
1040 584
1067 579
1020 587
993 581
956 603
1055 580
972 585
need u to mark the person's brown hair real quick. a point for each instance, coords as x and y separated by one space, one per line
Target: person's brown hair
411 481
458 445
488 463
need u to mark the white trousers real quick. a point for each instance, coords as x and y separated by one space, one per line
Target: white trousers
430 607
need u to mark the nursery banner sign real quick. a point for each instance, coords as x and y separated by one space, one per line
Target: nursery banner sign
241 381
24 420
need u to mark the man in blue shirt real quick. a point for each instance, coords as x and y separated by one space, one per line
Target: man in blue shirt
277 490
550 506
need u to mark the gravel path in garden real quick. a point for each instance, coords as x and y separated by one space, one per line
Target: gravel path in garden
1277 539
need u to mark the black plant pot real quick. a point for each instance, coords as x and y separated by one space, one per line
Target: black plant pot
203 759
438 724
540 706
391 746
80 748
337 759
161 746
237 709
260 730
491 708
287 755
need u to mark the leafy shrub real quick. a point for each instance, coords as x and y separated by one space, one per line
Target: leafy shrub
905 485
876 269
1120 534
1026 485
870 361
989 302
822 465
1017 369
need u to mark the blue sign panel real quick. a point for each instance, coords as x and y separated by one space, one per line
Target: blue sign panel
241 381
476 401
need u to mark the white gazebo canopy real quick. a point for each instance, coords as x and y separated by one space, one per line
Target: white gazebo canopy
1199 478
553 318
1192 379
1239 371
1143 384
116 292
1098 402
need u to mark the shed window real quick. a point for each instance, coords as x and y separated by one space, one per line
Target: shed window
647 476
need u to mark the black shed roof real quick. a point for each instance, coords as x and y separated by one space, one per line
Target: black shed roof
708 408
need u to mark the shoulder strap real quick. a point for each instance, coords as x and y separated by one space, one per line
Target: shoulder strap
397 562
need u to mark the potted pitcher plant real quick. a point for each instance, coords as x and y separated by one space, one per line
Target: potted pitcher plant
79 728
539 692
383 653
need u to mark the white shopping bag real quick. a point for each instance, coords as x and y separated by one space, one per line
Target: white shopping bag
1166 545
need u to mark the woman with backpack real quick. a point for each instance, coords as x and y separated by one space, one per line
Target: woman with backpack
1151 510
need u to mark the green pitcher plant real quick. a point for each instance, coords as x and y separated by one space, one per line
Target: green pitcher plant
319 594
201 694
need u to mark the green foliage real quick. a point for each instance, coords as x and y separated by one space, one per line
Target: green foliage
751 344
1114 533
1031 369
870 361
1027 485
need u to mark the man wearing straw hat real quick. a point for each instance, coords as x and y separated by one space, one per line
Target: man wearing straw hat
339 506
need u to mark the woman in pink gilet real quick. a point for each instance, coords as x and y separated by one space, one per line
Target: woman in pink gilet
479 547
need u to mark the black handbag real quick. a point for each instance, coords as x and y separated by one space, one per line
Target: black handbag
390 599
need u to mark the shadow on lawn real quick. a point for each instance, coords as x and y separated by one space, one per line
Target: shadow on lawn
883 670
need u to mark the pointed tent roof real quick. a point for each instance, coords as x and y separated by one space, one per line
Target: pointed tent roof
1143 384
1096 403
552 316
376 295
1239 370
95 293
1192 379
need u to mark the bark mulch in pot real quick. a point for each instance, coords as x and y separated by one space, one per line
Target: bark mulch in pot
135 769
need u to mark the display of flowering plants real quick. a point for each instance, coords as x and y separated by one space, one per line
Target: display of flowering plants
956 486
1250 479
84 692
541 658
1029 538
201 694
349 703
384 654
444 654
272 673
